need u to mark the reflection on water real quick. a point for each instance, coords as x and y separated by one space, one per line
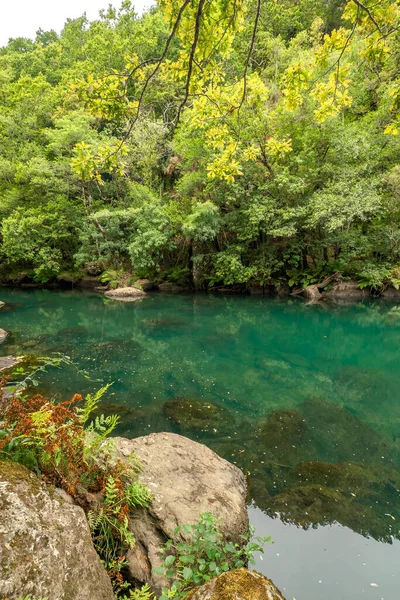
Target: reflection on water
328 563
306 401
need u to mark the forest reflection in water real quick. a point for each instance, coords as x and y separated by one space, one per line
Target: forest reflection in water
306 400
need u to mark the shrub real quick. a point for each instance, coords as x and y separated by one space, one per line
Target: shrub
206 554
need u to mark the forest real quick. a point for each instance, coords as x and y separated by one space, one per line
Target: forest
206 143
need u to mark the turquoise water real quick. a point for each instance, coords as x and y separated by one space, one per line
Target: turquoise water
305 399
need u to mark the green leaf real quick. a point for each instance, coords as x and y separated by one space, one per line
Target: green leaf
187 573
169 560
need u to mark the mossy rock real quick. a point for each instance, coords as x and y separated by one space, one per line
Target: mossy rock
192 415
364 498
240 584
338 435
286 437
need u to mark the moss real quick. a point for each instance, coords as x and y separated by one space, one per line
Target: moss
240 584
194 415
15 473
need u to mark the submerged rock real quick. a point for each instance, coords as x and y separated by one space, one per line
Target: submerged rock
191 415
338 435
45 546
240 584
127 294
72 334
286 437
186 479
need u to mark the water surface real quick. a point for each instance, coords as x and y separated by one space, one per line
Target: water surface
305 399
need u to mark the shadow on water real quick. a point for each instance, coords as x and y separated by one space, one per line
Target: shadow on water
300 398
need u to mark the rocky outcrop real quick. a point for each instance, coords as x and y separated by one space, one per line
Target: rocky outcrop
172 288
186 479
240 584
346 290
145 285
391 293
3 335
45 546
126 294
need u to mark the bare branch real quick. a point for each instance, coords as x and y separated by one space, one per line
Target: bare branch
248 59
369 13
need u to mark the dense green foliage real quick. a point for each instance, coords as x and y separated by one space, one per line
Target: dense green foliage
279 163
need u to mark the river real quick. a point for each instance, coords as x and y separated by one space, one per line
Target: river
305 399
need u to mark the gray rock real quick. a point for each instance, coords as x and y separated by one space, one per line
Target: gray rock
346 290
126 294
45 546
240 584
186 479
391 294
2 304
3 335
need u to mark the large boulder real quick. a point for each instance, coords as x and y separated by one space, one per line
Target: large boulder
126 294
45 546
240 584
3 335
186 479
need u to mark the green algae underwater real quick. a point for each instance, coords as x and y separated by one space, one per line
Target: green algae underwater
305 399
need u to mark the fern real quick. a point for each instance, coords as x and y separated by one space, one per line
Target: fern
144 593
112 492
137 494
91 403
103 426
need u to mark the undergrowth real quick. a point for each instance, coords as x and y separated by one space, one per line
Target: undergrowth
60 443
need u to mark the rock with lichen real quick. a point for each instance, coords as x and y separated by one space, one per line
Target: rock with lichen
240 584
45 546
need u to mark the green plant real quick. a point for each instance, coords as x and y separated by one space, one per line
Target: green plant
204 554
144 593
52 440
111 277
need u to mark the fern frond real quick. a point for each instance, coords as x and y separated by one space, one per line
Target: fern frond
137 494
91 403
